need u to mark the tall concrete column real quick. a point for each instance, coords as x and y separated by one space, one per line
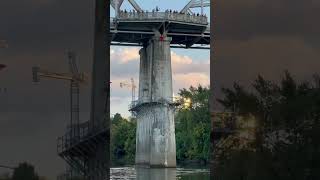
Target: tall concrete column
155 140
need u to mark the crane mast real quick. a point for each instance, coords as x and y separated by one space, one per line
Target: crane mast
75 79
132 86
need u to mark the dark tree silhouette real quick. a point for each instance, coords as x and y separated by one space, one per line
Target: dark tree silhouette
25 171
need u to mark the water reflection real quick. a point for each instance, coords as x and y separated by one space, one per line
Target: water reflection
156 174
139 173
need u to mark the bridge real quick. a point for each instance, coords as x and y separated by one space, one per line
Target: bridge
186 30
156 33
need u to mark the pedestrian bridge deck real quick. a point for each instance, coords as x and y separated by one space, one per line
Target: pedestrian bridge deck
137 28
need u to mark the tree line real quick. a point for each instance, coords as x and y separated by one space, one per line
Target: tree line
286 137
192 128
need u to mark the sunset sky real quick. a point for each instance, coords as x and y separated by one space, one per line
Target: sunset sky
189 67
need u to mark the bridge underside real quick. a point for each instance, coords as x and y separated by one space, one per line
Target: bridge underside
138 32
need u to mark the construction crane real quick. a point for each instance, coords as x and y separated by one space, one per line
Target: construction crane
132 86
75 78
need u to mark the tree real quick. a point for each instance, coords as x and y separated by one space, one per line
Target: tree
123 136
288 119
193 126
25 171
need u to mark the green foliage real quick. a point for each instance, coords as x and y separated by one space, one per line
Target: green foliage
123 139
25 171
193 126
289 112
192 130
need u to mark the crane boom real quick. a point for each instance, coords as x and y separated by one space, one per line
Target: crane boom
37 72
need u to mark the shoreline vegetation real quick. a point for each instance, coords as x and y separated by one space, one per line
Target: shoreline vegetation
284 143
192 128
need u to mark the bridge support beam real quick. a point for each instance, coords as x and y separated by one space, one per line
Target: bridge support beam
155 140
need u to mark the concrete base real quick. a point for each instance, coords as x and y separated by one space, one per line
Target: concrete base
156 145
155 140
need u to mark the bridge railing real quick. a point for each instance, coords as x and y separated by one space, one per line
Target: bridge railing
183 17
170 100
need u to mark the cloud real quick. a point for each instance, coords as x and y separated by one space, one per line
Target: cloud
125 62
124 55
182 64
190 79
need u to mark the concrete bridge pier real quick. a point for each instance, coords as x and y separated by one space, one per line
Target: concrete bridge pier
155 140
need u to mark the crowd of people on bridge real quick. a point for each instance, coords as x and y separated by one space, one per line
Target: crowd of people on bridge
126 13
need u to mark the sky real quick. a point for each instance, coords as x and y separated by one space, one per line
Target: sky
250 37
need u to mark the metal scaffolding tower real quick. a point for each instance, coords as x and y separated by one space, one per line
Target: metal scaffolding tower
89 152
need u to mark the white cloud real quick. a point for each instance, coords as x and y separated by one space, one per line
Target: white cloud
190 79
185 64
124 55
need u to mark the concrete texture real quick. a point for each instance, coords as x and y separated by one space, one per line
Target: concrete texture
155 140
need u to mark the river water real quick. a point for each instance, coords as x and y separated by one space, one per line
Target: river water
140 173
